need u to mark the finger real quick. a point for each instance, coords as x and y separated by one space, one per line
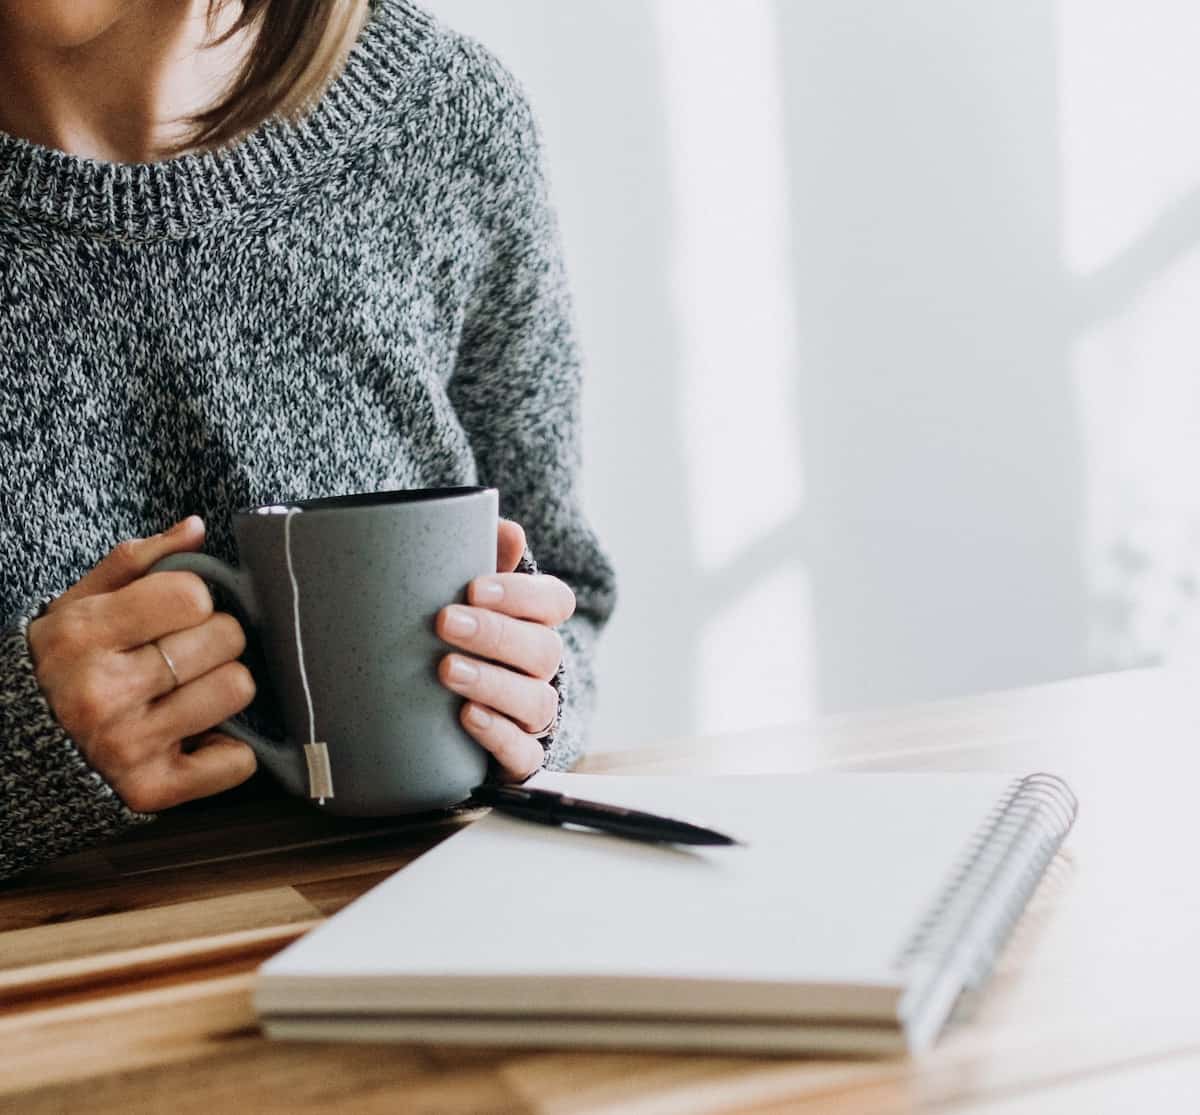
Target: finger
541 598
510 545
175 776
530 647
150 608
131 559
219 763
531 704
517 752
193 653
197 706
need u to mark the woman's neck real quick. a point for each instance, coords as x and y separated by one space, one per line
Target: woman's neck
120 92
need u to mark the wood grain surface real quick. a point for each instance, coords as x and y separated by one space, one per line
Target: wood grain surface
126 972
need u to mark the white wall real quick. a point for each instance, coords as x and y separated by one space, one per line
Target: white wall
890 313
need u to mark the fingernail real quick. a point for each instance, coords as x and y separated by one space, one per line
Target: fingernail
184 525
488 590
460 623
477 717
462 672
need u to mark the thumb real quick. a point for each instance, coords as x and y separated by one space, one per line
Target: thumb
131 559
510 545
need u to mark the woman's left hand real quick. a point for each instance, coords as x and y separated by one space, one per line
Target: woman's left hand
507 629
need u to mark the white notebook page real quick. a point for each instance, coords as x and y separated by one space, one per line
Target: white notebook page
837 871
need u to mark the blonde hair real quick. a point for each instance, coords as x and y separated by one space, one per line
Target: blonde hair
297 48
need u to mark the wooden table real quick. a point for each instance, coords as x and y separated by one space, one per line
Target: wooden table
125 974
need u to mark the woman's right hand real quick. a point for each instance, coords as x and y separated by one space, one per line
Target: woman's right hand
113 692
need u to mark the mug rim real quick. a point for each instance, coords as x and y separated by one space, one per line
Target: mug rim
353 501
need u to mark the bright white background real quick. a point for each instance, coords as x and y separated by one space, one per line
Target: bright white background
891 320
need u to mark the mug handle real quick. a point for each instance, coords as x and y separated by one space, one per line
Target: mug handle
282 759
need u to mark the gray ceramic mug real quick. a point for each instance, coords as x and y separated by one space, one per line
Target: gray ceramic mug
372 572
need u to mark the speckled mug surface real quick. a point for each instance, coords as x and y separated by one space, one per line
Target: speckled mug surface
372 572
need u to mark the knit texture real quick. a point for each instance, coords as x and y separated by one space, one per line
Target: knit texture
371 298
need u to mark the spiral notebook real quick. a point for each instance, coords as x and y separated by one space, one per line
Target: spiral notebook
858 911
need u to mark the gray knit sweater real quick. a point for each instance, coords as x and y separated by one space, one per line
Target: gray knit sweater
372 298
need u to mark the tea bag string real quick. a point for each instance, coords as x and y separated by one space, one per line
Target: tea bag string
316 753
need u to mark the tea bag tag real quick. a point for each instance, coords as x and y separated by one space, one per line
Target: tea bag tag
320 777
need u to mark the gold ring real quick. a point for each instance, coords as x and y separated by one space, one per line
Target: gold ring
170 665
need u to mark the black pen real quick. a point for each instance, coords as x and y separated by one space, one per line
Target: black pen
548 808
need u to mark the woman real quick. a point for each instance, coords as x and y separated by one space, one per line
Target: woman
250 253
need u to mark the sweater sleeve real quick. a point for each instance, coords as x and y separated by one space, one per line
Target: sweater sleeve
51 801
517 380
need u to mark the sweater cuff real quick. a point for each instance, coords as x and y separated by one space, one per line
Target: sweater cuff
51 802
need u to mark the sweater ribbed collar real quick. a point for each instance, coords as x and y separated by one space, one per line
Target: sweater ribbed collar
172 198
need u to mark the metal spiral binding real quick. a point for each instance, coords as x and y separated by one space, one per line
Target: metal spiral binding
975 912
